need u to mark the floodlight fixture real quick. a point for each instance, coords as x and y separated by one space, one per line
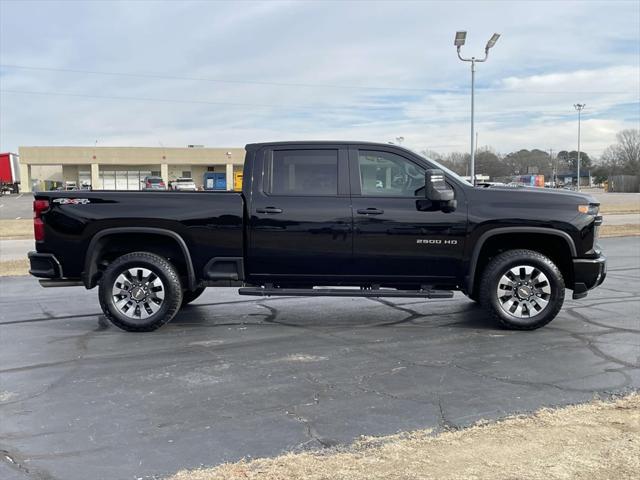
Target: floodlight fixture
460 39
492 41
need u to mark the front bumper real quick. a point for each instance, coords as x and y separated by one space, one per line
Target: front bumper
587 274
44 265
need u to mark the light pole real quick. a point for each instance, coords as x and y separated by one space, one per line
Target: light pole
458 43
579 107
400 140
553 169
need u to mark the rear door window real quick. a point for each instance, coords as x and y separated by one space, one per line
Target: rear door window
302 172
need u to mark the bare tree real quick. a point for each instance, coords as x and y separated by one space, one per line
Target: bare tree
623 156
628 149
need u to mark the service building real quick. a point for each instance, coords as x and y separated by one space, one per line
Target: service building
124 168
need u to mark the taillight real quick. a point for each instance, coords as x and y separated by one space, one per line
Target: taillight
39 207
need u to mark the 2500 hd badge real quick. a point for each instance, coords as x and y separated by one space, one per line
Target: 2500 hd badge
430 241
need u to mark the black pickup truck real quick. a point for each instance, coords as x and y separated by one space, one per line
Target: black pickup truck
324 219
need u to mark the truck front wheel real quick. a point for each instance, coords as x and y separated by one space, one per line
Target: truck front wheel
522 289
140 292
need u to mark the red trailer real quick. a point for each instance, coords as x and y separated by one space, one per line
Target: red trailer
9 172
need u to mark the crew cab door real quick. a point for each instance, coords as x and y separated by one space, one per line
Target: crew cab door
395 237
300 221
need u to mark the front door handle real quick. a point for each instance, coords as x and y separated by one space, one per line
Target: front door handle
370 211
269 210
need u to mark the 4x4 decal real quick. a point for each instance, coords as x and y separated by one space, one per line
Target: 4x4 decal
71 201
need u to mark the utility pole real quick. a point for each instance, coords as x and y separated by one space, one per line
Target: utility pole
553 168
579 107
458 43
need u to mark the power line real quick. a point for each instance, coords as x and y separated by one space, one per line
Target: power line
217 80
436 111
294 84
204 102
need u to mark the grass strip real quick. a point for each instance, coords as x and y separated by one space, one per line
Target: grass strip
595 441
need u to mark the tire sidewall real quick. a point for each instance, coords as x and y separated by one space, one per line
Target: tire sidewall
161 268
501 265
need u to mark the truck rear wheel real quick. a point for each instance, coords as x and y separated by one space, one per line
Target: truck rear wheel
189 296
522 289
140 292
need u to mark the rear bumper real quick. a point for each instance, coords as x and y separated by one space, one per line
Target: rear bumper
588 274
44 265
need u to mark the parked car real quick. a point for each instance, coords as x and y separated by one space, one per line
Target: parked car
378 219
153 183
184 184
490 184
8 188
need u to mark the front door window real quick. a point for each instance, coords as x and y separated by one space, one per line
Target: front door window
389 175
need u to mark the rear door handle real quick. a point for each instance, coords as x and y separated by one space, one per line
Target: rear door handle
370 211
269 210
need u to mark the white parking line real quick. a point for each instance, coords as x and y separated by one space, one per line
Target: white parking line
20 196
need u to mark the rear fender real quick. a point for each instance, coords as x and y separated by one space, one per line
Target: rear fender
90 273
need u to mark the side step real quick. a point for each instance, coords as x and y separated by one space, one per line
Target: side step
60 283
270 291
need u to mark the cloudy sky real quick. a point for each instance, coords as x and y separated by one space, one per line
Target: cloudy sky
172 73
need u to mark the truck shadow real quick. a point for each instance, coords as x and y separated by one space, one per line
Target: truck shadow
466 315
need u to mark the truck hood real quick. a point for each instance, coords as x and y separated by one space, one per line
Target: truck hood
544 194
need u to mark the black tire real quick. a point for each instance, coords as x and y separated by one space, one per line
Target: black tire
189 296
517 309
166 282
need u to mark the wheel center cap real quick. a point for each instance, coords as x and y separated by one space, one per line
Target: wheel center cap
524 291
137 293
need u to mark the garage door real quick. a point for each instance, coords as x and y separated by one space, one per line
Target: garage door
123 179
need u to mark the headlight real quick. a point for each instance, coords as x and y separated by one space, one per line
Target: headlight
589 209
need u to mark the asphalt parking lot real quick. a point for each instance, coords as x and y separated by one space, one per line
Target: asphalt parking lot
16 206
234 376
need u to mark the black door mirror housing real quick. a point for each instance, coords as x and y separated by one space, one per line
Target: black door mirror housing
436 188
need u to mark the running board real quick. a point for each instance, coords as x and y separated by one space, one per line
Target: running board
344 292
60 283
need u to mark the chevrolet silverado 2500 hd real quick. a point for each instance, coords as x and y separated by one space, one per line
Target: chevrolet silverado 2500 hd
324 219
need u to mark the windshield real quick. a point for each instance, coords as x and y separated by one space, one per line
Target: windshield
443 168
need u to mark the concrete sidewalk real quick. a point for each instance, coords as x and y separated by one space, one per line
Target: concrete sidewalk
622 219
15 249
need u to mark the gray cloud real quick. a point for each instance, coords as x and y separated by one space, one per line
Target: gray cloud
295 55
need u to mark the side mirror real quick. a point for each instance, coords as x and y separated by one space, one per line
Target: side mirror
435 186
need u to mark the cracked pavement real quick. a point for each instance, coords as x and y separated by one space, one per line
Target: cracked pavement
235 377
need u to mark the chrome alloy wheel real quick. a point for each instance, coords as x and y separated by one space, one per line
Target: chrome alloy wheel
138 293
523 291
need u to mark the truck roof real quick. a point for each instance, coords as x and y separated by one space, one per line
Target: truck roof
255 146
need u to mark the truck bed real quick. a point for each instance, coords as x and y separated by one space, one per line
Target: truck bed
209 223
